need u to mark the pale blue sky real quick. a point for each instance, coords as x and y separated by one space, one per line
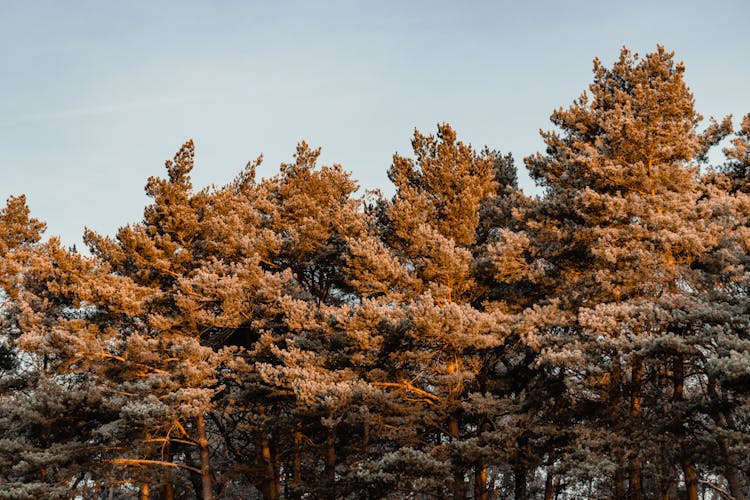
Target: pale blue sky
97 94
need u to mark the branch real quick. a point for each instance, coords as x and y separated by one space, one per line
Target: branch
141 461
407 386
721 491
170 440
106 355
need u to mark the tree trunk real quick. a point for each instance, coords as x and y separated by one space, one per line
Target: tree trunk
688 467
459 490
43 443
730 461
480 482
365 450
331 457
620 478
194 477
636 379
679 378
276 474
267 484
144 490
635 487
667 488
519 484
691 479
731 472
168 489
549 487
615 397
365 440
298 457
205 466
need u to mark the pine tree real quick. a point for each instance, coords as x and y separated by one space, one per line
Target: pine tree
725 288
148 329
313 216
287 338
620 227
436 344
52 408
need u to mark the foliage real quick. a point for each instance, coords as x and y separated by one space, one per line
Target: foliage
288 338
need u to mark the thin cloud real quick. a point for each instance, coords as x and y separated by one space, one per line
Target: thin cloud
107 109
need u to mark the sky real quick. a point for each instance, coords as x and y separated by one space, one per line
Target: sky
95 96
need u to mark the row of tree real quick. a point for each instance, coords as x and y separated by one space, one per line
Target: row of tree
287 338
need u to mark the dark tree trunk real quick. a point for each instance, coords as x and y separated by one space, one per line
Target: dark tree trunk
459 489
331 457
480 482
519 484
206 490
43 444
688 467
365 450
679 379
298 456
549 487
615 398
267 488
195 478
168 488
730 460
635 487
731 472
620 479
669 489
276 474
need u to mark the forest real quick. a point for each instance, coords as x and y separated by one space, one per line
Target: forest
291 337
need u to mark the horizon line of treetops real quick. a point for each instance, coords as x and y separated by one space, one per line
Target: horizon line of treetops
285 338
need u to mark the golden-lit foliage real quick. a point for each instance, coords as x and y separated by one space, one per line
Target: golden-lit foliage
288 338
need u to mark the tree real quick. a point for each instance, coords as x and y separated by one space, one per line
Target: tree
737 168
620 228
287 338
148 328
436 345
52 409
313 217
726 286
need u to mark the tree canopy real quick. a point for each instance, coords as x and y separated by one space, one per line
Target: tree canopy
289 337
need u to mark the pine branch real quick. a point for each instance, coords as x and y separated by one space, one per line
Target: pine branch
721 491
143 461
406 386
